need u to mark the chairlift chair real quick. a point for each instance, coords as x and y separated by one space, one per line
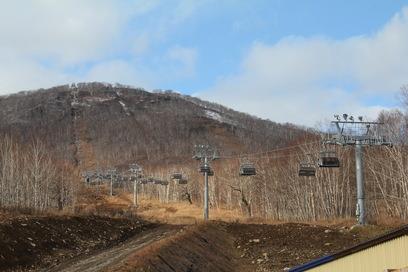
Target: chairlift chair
328 159
177 176
144 181
210 172
247 169
182 181
157 181
307 170
204 169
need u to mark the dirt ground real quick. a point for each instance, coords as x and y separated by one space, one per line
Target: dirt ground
103 260
276 247
200 248
31 242
177 241
221 246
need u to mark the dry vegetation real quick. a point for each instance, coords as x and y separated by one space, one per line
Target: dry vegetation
47 139
182 212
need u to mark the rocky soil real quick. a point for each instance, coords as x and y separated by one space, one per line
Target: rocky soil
30 242
97 243
220 246
282 246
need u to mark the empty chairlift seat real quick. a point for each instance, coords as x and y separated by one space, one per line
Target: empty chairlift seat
307 170
177 176
328 159
247 169
150 180
182 181
144 181
211 173
157 181
204 169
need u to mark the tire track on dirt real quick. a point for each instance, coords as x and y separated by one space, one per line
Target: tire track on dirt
106 258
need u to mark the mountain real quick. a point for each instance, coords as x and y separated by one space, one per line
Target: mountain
98 123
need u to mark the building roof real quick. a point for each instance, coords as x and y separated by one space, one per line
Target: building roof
370 243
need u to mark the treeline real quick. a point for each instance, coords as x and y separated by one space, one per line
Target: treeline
30 179
118 123
114 126
277 191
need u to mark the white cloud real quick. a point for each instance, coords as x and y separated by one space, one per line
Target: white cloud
42 39
140 45
17 73
68 31
304 80
185 58
48 42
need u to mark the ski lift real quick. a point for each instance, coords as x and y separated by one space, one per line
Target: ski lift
247 169
157 181
211 173
182 181
176 176
307 170
205 169
150 180
328 159
144 181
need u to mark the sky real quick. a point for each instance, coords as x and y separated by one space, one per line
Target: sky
284 60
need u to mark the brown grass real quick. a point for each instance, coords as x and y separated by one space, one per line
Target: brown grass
181 212
185 213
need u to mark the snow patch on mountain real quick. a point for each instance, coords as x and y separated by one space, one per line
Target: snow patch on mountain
218 117
124 107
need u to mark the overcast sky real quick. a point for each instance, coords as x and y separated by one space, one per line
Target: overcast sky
286 60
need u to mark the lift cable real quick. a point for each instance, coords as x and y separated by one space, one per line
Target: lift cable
258 154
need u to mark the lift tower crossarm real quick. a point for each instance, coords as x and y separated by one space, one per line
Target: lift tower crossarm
357 135
205 154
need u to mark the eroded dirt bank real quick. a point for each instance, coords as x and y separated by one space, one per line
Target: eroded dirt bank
276 247
243 247
207 247
94 243
31 243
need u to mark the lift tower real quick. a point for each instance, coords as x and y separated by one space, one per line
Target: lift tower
136 172
112 174
205 154
357 133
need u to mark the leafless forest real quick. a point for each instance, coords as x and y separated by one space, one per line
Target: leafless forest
49 137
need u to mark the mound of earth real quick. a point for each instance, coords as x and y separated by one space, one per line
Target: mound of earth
108 244
28 243
242 247
201 248
276 247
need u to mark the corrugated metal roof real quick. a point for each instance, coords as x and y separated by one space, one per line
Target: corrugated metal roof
312 264
370 243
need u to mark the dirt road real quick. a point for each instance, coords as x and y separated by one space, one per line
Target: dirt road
104 259
95 243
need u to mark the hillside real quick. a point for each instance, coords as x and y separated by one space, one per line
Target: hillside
97 123
97 126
